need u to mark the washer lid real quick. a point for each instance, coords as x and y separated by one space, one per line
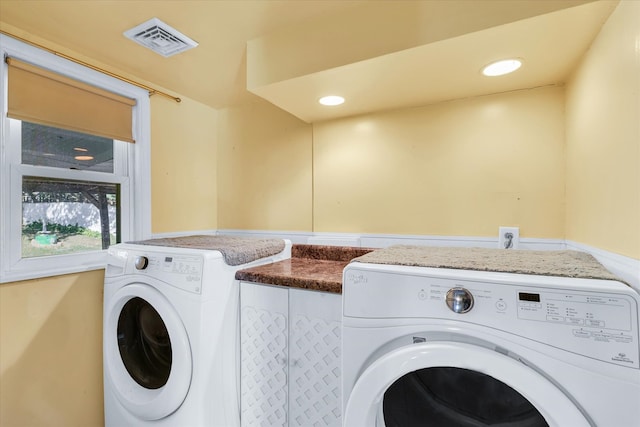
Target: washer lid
147 355
364 407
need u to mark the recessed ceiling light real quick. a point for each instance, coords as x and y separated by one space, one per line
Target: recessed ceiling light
83 158
502 67
84 150
331 100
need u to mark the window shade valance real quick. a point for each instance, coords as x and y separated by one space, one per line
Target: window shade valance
44 97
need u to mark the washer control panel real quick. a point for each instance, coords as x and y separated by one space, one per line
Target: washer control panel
597 319
181 271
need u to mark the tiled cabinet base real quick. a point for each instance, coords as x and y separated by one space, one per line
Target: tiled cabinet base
290 357
264 336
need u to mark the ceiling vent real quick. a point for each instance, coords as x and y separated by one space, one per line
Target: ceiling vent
160 38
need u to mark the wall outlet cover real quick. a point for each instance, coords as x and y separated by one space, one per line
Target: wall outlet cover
509 237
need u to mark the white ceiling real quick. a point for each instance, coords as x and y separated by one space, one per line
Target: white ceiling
379 54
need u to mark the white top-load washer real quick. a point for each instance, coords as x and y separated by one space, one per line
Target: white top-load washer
445 347
171 339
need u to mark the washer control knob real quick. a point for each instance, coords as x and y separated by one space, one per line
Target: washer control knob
141 262
459 300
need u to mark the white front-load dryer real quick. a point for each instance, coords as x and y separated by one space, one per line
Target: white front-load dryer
171 339
443 347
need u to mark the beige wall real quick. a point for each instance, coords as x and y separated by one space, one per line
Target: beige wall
183 166
51 351
457 168
264 169
603 139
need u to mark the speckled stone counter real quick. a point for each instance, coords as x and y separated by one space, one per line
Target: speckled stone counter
565 263
313 267
235 250
319 268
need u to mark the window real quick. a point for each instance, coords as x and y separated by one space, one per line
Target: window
68 190
65 209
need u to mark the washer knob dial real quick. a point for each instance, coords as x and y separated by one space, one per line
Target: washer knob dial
141 262
459 300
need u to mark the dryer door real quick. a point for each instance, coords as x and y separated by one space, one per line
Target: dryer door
448 383
147 355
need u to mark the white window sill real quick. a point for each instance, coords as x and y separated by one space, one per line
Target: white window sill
40 267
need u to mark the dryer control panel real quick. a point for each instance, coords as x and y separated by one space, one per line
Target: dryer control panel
593 318
181 271
585 312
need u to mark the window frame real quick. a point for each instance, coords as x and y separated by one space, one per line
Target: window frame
135 180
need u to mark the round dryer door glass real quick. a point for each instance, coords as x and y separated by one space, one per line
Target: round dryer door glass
144 344
448 396
456 384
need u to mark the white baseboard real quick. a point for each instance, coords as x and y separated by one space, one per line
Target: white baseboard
385 240
299 237
628 269
182 234
381 241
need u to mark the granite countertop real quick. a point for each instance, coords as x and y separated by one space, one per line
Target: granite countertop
564 263
235 250
313 267
319 268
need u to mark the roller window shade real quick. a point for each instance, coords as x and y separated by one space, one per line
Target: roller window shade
41 96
